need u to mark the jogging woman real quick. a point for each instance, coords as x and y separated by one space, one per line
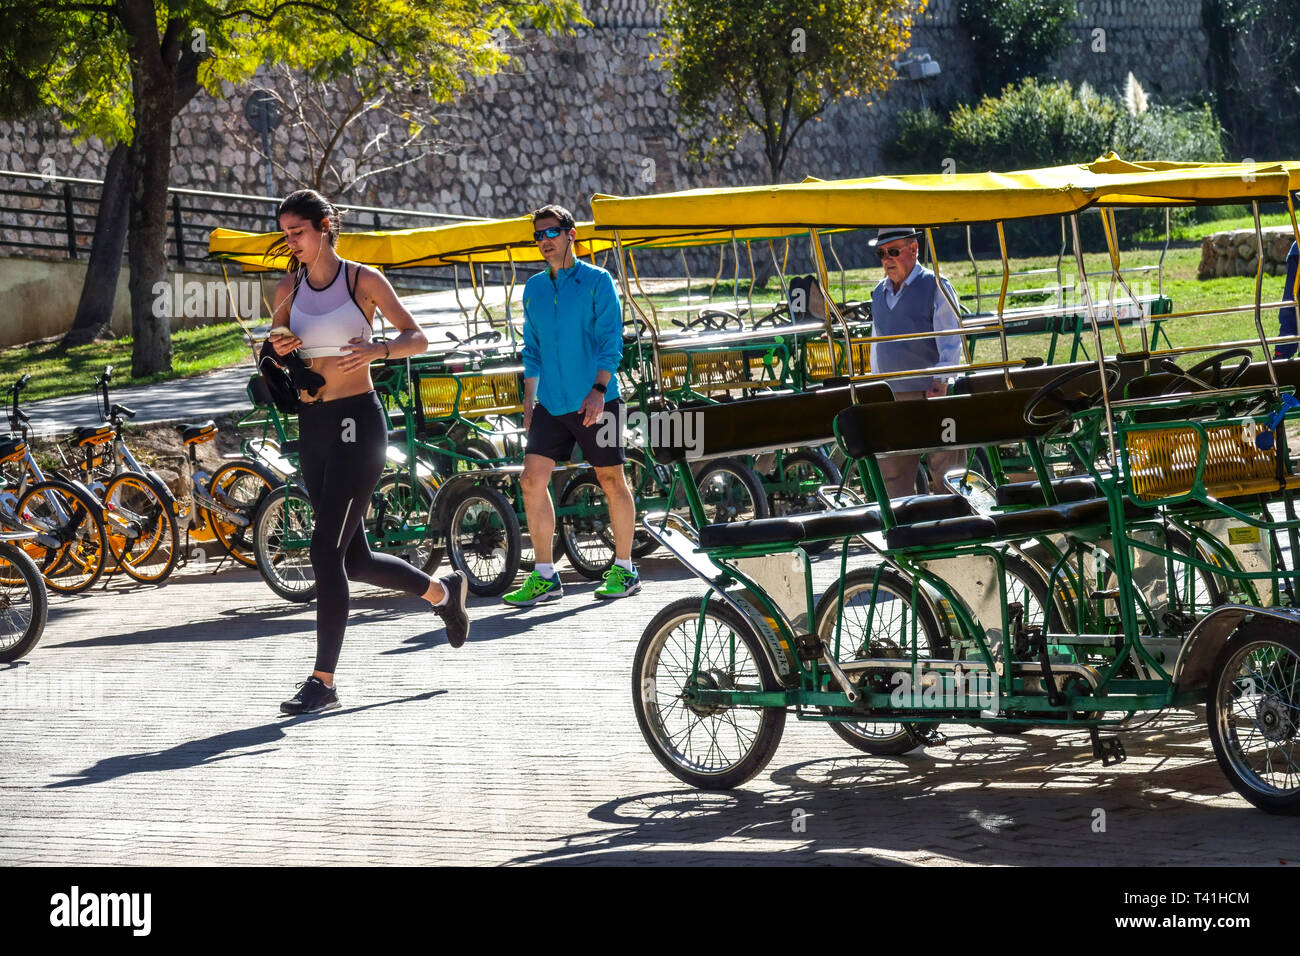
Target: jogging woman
325 306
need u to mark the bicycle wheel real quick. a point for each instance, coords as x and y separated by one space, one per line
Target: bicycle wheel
712 747
282 543
801 474
1251 707
878 619
483 539
239 486
70 550
586 535
731 491
141 527
396 513
24 603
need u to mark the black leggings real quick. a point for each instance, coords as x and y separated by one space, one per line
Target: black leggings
342 450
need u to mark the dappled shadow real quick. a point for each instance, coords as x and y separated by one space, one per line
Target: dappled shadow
1032 799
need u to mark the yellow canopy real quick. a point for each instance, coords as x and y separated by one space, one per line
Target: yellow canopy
482 242
932 200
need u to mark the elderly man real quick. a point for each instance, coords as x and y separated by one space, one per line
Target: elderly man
908 300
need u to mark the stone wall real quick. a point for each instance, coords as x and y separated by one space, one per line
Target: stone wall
1236 252
589 113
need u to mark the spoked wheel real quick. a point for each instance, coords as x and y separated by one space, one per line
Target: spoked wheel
141 527
712 747
282 543
70 550
241 487
397 513
586 534
802 473
24 603
1253 708
731 491
483 539
878 620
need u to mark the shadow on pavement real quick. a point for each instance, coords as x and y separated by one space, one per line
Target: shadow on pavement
985 799
195 753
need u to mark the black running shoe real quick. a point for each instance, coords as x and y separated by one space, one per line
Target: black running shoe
312 697
453 612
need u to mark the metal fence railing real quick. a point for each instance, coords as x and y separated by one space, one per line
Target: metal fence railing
53 217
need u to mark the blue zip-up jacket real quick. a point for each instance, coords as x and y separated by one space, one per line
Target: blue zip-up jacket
573 328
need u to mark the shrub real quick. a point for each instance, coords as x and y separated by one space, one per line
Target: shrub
1035 124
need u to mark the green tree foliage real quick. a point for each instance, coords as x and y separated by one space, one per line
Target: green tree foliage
775 65
1013 39
122 70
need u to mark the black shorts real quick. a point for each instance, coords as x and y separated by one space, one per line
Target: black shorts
553 436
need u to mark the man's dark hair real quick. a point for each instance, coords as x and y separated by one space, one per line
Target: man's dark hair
558 213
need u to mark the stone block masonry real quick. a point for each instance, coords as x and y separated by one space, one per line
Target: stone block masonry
591 113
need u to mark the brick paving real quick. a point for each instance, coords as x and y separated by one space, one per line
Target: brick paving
144 730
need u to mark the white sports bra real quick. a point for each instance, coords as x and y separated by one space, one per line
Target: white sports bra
326 319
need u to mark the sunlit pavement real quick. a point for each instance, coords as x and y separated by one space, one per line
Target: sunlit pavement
145 729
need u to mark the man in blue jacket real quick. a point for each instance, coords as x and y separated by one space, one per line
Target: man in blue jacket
573 343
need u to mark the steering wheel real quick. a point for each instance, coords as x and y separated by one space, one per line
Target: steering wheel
636 327
1055 393
712 320
1217 378
777 317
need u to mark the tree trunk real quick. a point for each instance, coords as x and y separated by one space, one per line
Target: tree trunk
95 310
153 85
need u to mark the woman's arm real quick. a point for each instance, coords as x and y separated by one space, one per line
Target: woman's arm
374 292
283 344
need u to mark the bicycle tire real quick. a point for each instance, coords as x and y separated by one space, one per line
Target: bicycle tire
73 561
141 527
20 583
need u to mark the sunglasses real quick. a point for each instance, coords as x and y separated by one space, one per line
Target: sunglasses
891 253
553 233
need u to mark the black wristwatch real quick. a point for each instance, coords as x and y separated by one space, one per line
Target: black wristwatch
600 388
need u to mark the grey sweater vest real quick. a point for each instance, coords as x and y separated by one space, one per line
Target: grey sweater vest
913 313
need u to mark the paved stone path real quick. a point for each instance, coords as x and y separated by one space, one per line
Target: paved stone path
144 730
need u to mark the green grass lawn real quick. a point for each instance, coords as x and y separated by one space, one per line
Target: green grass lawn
57 371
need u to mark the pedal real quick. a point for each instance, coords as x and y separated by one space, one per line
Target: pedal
809 647
932 737
1110 594
1109 751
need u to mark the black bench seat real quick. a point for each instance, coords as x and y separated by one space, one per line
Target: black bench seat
836 523
1020 494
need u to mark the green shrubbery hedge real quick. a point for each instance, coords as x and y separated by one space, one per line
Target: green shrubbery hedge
1036 123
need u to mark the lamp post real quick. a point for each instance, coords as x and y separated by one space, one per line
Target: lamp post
262 111
919 66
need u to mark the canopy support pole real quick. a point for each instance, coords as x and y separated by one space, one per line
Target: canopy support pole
1259 290
1086 288
819 263
1002 301
1112 242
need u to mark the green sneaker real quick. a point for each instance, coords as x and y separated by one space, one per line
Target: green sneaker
535 590
619 583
